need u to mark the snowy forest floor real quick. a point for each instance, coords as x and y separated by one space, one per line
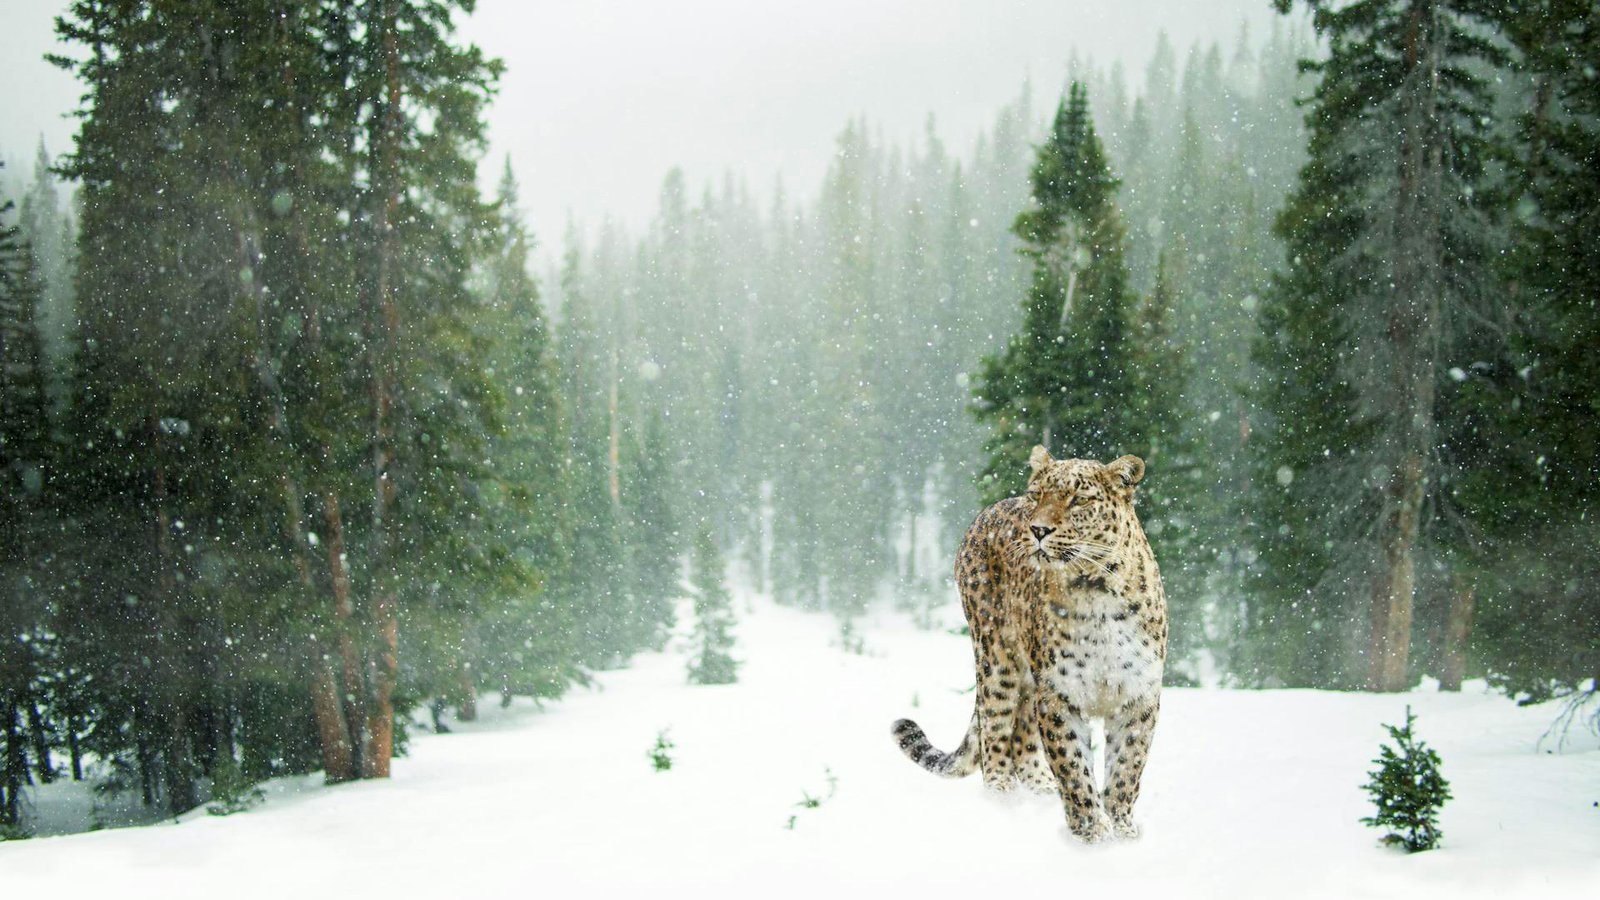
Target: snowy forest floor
1248 794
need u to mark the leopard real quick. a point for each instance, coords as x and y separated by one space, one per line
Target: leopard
1068 618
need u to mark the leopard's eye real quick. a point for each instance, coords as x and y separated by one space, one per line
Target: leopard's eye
1034 496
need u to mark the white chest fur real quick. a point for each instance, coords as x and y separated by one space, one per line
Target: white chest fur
1098 654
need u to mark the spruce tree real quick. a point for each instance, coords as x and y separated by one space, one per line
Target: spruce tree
1067 380
26 473
1159 407
713 610
1302 449
178 377
595 581
25 446
49 230
845 509
654 545
1387 243
1076 377
417 216
1532 490
523 643
279 369
1408 790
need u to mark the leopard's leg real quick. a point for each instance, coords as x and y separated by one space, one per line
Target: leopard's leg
1128 735
1027 746
1065 730
999 692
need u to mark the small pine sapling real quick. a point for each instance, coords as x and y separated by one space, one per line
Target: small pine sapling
231 791
1408 790
811 801
660 754
849 640
713 609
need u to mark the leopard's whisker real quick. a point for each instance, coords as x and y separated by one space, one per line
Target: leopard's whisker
1094 545
1097 565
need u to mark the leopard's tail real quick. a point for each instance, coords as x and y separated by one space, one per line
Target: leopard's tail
916 746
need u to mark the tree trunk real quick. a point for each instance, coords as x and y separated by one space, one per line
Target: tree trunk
911 554
1413 331
354 722
1457 636
333 732
382 670
41 744
14 767
1393 595
467 711
177 771
614 437
333 728
1377 641
143 755
333 723
383 639
73 747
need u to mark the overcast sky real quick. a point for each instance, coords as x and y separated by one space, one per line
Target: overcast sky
602 97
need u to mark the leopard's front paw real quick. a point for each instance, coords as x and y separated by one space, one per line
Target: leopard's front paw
1126 829
1091 828
1038 780
999 782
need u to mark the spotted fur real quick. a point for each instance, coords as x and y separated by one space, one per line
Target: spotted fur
1069 624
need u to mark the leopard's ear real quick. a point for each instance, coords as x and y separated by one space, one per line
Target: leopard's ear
1127 471
1039 458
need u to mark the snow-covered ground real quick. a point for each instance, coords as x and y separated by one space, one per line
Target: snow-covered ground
1248 794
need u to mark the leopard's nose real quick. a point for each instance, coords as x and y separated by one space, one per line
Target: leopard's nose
1040 532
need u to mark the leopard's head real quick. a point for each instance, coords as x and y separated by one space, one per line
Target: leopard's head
1080 511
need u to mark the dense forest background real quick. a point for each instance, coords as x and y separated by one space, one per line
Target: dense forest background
295 440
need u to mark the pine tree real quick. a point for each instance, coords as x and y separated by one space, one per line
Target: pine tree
410 122
1398 127
26 472
49 231
523 642
1214 255
232 792
654 543
1302 450
594 585
713 610
25 447
279 368
415 256
200 171
844 508
1532 405
1408 790
1162 373
1067 380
